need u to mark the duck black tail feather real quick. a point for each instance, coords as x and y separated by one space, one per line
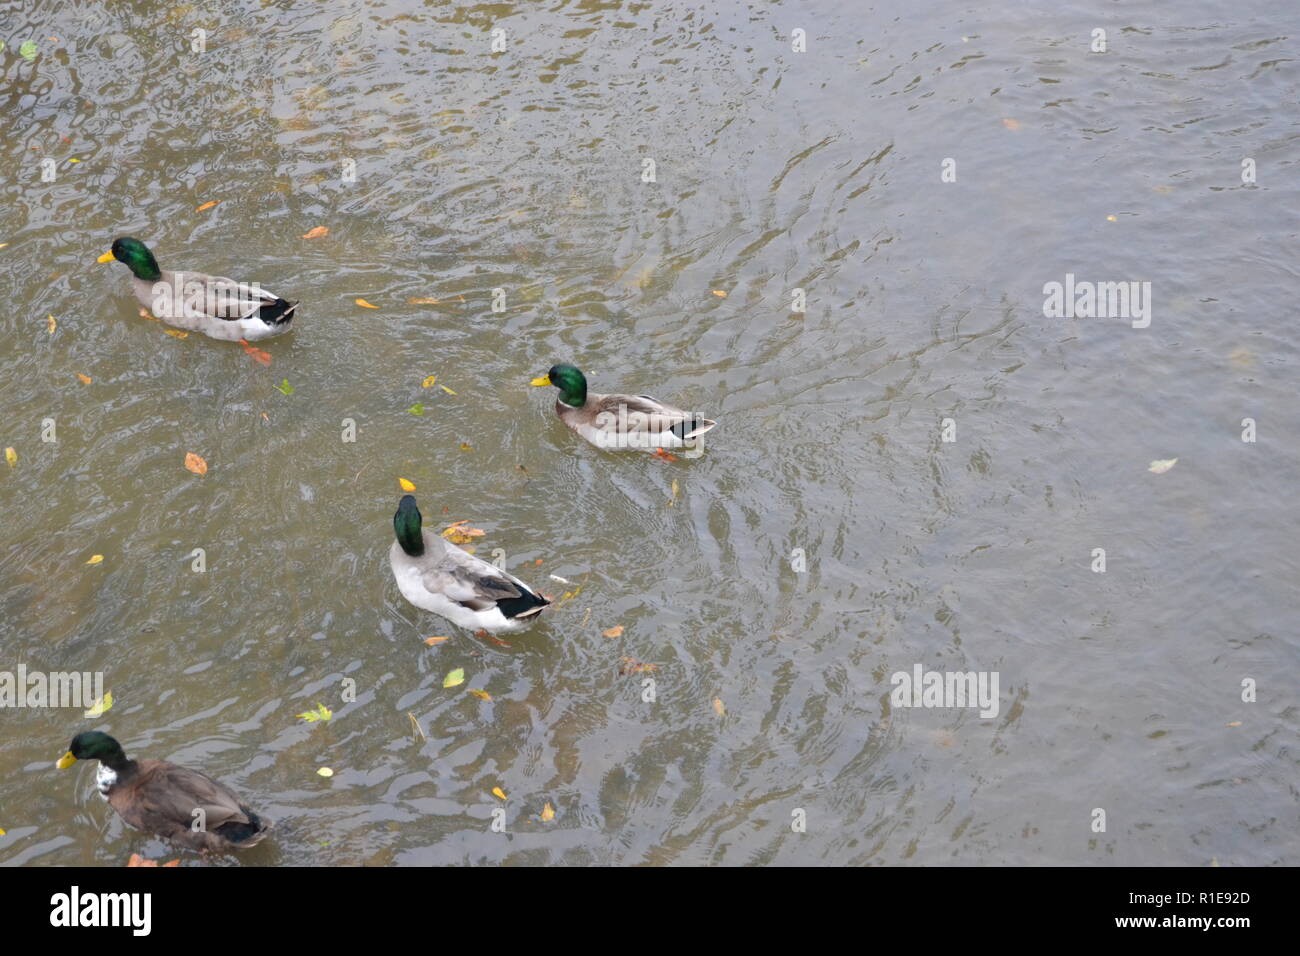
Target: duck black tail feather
245 834
526 605
278 312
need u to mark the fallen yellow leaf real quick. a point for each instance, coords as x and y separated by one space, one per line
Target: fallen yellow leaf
429 382
97 709
366 305
548 813
422 301
1112 218
719 293
177 333
1161 465
498 792
85 379
615 631
1235 723
325 772
719 707
446 389
466 446
51 323
1011 124
207 205
11 456
95 559
406 485
195 463
316 232
481 694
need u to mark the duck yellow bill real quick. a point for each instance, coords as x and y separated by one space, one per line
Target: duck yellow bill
544 380
106 257
66 761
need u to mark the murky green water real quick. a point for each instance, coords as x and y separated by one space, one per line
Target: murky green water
775 170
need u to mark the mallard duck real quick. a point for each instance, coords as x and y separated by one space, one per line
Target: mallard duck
620 421
220 308
434 574
160 798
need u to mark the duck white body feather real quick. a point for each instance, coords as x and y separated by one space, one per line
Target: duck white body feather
465 590
218 307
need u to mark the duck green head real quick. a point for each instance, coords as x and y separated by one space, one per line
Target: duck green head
569 380
93 745
136 256
407 523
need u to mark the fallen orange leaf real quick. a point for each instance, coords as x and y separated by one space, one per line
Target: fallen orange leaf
548 813
481 695
85 379
719 707
195 463
207 205
1011 124
615 631
256 354
719 293
177 333
366 305
664 455
435 640
317 232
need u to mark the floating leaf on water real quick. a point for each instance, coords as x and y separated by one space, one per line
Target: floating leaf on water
138 860
98 708
195 463
206 205
630 665
416 724
2 831
498 792
454 678
719 707
548 813
1112 218
466 446
1161 465
1235 723
85 379
406 485
458 533
11 456
95 559
615 631
256 354
422 301
320 713
316 232
177 333
431 641
719 293
51 323
325 772
429 382
285 388
481 694
664 455
416 409
27 50
446 389
1011 124
365 305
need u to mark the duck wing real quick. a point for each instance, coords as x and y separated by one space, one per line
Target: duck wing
161 798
